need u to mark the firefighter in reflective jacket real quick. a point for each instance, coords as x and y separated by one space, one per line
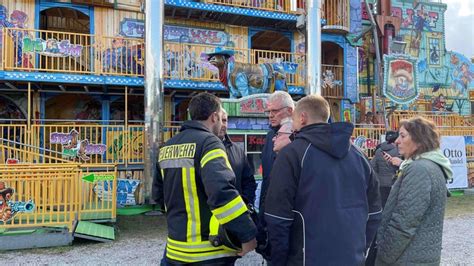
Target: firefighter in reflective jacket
198 184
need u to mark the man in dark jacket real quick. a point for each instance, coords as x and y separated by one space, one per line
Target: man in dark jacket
384 169
243 170
280 105
199 190
323 204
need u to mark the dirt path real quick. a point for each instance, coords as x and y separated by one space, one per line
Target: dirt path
141 240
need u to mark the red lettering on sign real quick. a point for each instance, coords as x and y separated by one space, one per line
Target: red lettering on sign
238 138
256 140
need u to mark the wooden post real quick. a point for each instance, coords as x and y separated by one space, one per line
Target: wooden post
28 123
127 130
126 106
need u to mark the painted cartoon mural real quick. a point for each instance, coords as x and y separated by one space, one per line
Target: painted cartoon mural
462 73
243 79
9 208
442 76
125 53
73 107
124 56
17 19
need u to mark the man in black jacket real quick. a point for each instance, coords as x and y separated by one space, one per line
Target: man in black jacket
199 191
280 106
323 204
245 181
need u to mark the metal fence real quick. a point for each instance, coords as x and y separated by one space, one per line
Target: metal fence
60 52
57 194
50 191
367 138
284 6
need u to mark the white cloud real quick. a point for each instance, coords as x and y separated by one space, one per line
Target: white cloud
464 8
459 26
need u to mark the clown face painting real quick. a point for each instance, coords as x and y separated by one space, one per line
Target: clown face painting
400 83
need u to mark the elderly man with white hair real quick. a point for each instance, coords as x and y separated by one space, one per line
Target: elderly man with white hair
280 106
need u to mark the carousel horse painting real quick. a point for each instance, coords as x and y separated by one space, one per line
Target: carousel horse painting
243 79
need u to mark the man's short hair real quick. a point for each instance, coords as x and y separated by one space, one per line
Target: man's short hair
283 97
315 106
391 136
203 105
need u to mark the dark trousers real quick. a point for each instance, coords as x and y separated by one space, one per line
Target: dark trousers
384 192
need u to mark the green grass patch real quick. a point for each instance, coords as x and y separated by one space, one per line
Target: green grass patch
459 205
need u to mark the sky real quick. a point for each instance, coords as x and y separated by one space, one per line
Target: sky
459 26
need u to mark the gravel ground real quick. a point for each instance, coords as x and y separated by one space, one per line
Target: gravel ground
140 240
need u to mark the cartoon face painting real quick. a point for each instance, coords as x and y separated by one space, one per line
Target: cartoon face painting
5 196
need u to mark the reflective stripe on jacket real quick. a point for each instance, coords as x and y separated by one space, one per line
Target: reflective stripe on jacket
199 182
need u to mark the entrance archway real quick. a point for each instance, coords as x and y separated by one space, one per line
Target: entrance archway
332 70
268 45
271 41
64 19
58 23
10 111
332 54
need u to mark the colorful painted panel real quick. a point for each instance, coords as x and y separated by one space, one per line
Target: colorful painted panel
9 208
125 191
194 35
132 28
400 83
461 74
16 19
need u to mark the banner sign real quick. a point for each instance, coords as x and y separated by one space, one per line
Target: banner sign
401 81
125 191
132 28
454 148
365 143
73 147
96 177
195 35
51 47
255 142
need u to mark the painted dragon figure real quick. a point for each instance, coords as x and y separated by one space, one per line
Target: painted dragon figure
242 79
